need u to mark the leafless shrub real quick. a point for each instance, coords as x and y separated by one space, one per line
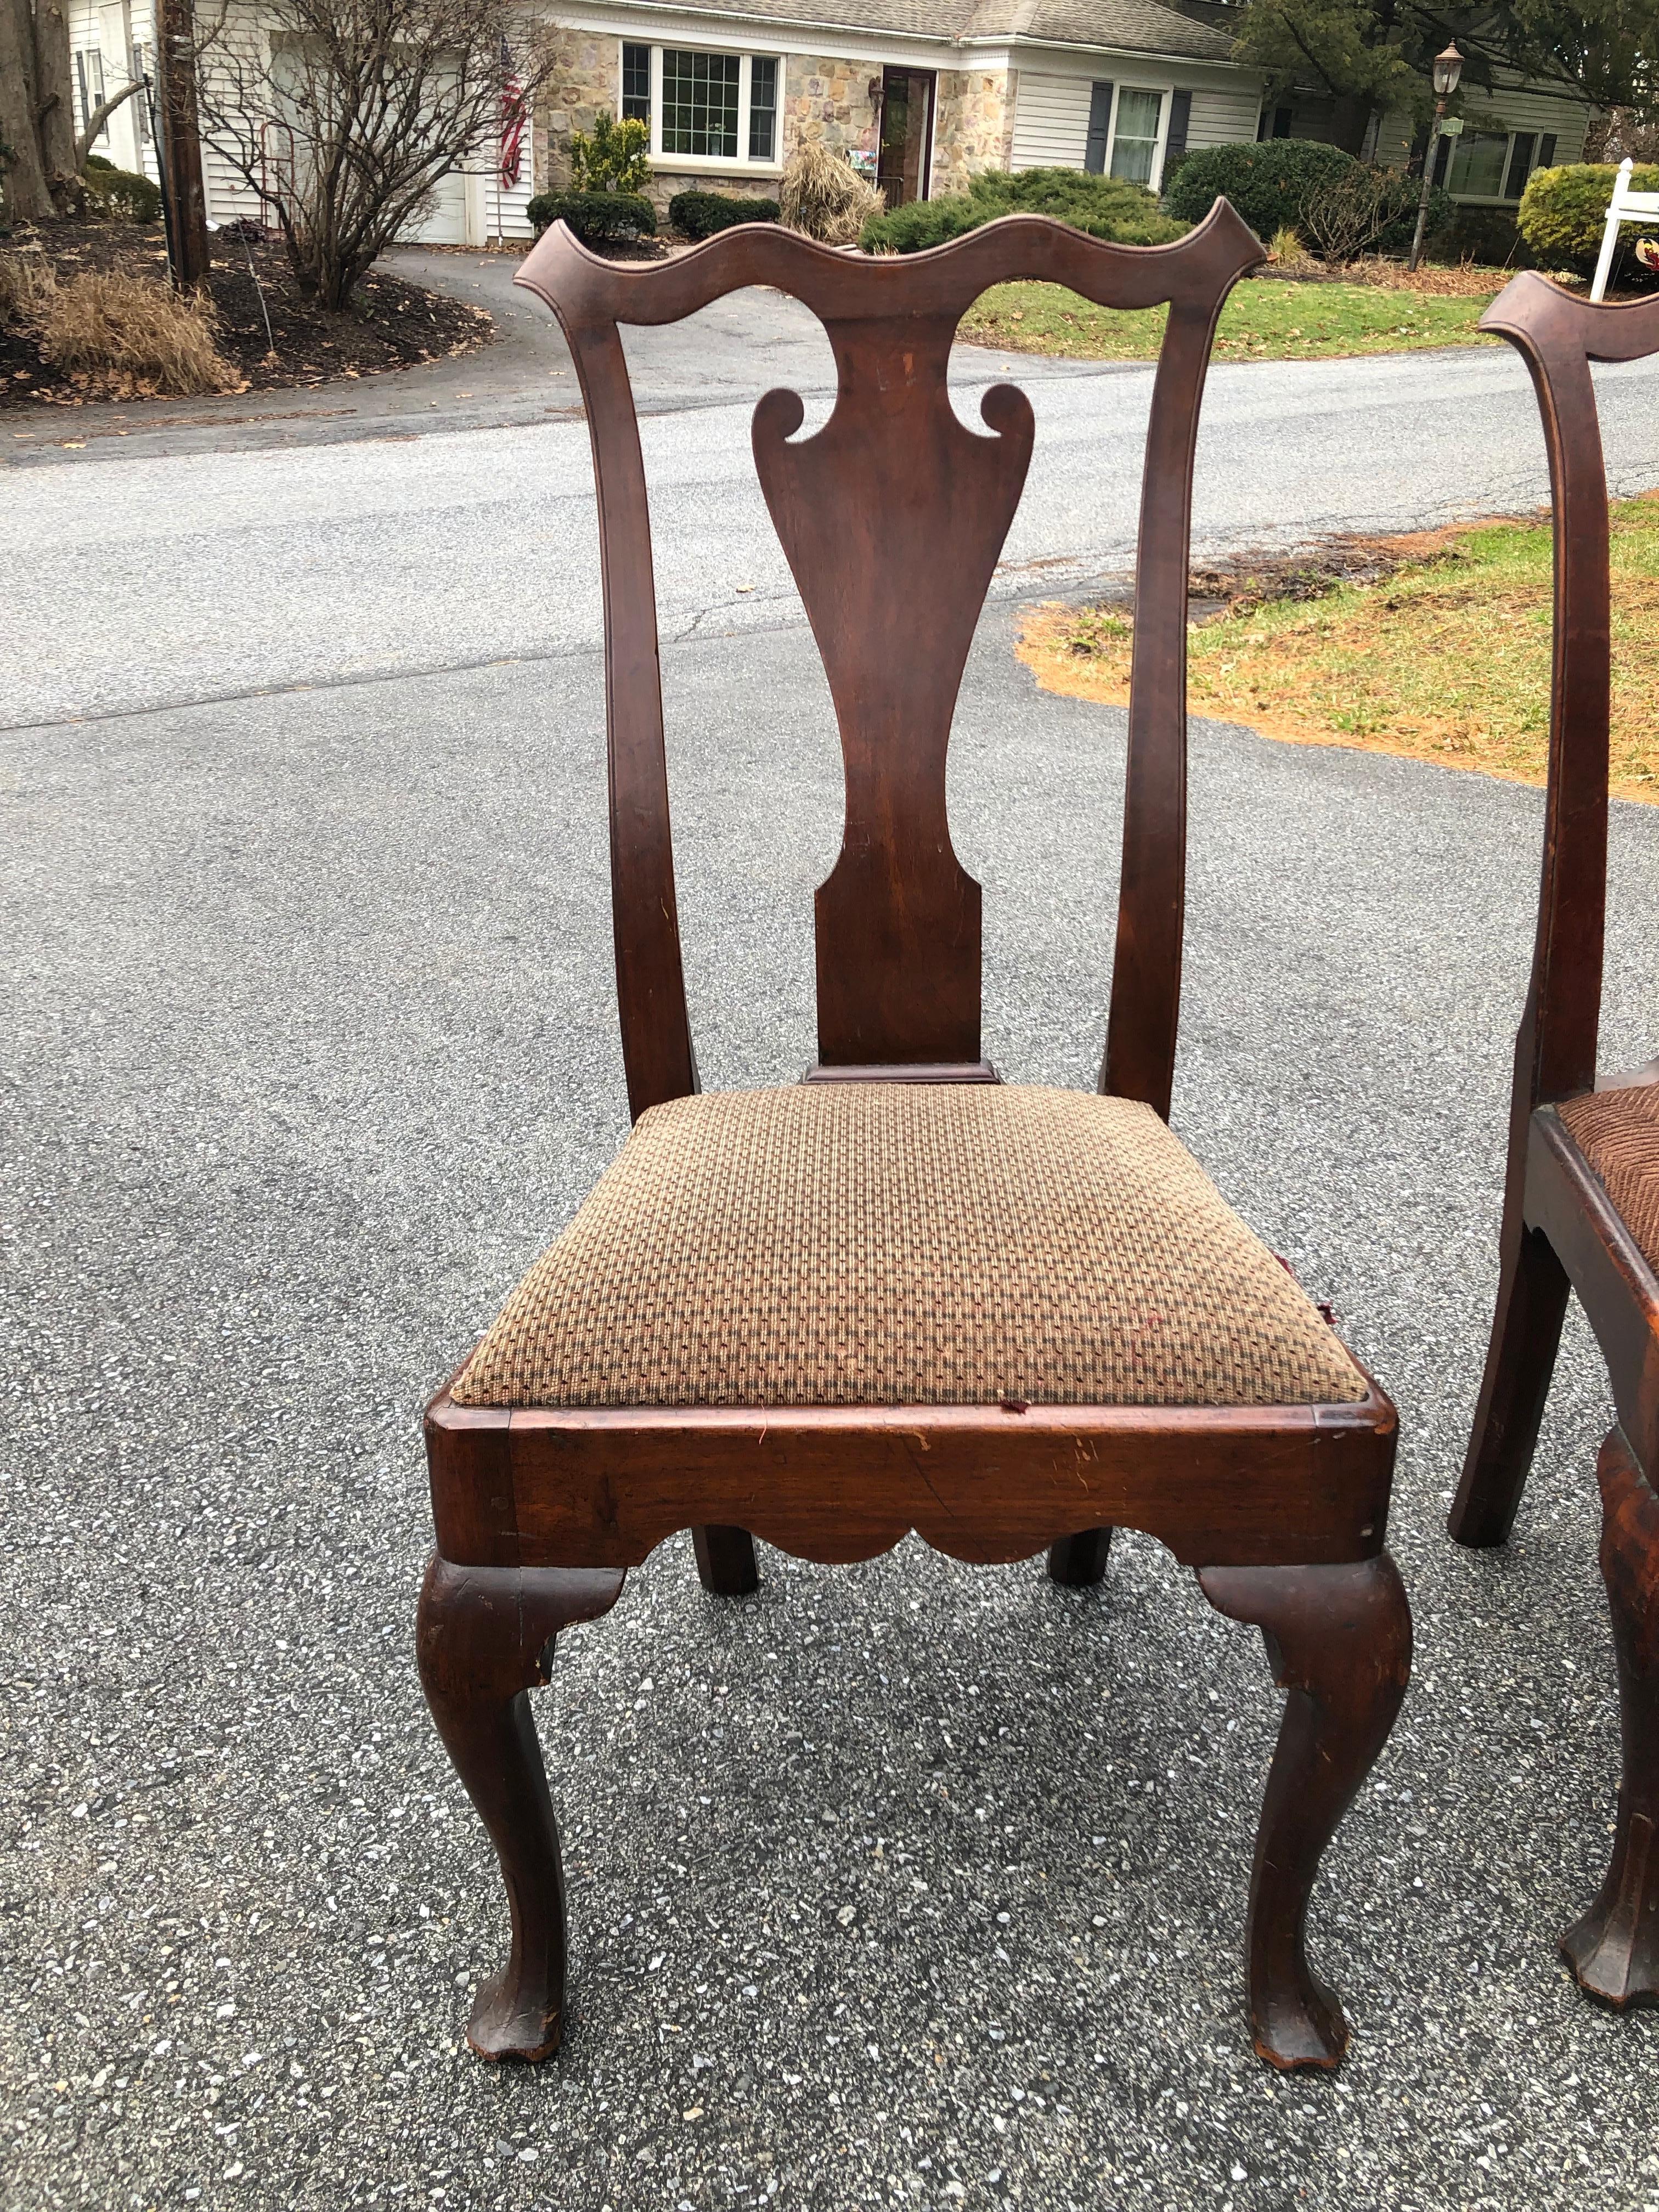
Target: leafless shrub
116 335
1350 213
345 116
823 195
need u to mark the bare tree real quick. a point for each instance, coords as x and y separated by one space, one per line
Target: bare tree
345 116
46 155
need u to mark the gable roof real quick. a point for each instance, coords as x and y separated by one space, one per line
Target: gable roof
1128 26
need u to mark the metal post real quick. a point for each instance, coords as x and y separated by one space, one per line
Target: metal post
1428 186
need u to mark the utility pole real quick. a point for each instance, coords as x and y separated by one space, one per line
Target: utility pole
1447 68
181 144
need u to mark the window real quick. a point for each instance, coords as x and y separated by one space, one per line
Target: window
89 80
722 109
1134 140
1491 165
763 108
637 83
141 103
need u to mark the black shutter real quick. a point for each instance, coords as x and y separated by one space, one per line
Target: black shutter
1175 143
1547 150
1100 125
1443 154
1283 118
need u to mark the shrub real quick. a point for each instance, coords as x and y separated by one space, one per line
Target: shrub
116 334
700 215
1104 206
1563 212
1270 183
597 218
823 195
1486 234
120 193
613 160
1397 232
1369 211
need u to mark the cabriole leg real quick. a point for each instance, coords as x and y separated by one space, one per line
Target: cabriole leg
1613 1951
1078 1562
484 1637
1526 1333
1339 1640
725 1561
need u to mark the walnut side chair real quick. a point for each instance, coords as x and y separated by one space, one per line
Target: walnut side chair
1580 1199
901 1295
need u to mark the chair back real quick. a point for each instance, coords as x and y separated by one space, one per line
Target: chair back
1559 337
892 517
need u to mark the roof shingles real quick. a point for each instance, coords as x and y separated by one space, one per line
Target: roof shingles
1117 26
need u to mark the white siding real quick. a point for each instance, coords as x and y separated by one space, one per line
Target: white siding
1518 110
1051 121
1224 118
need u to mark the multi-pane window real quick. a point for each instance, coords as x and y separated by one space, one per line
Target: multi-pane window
700 103
90 82
763 108
703 107
1491 165
636 83
1134 141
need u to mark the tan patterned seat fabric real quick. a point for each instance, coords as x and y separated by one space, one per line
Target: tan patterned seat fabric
879 1244
1618 1132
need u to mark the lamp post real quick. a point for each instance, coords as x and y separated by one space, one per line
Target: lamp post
1447 68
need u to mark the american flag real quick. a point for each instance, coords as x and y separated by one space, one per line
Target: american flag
513 118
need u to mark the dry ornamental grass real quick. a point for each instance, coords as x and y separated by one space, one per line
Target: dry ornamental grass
823 195
116 336
1445 658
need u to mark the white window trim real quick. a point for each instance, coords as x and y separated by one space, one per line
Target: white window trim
1498 199
713 165
1166 100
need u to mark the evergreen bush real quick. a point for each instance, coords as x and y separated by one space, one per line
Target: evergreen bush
1563 213
614 158
699 214
1271 183
597 218
1103 207
121 193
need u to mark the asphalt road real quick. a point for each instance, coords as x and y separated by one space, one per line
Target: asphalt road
906 1883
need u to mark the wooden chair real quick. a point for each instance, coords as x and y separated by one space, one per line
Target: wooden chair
899 1295
1580 1202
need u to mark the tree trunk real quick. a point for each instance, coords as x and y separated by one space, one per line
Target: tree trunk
53 94
1350 118
25 184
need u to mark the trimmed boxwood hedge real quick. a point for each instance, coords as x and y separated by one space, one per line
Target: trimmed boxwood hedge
1270 183
597 218
1104 206
1563 213
698 215
120 193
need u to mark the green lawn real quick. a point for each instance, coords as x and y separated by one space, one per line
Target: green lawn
1447 659
1267 318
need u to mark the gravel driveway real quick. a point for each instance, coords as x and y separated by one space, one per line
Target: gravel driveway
905 1883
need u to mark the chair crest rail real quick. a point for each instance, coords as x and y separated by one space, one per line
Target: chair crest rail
892 517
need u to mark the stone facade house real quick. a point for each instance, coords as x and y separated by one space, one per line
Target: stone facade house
920 93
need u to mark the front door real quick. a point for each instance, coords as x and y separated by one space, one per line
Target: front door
907 135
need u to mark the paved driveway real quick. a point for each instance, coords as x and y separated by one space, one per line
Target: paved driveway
902 1883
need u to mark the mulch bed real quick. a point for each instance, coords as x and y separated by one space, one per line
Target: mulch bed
393 325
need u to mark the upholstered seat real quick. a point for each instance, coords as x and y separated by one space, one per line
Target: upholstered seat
1618 1132
883 1243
